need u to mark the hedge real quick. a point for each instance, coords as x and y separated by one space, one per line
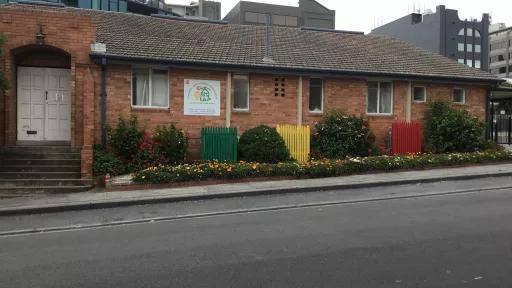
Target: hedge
312 169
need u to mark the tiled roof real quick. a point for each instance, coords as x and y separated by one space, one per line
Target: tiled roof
137 36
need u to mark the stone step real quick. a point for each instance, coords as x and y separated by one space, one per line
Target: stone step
39 149
40 162
14 183
20 191
39 168
40 175
18 155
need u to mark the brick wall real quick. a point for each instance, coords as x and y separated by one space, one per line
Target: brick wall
266 108
68 33
73 34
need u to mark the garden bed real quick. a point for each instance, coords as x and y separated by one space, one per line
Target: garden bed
220 172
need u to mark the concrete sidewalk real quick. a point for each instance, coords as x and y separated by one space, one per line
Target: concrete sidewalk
96 200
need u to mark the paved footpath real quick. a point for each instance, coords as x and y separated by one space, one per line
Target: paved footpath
92 200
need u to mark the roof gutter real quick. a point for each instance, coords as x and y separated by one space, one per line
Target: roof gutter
267 68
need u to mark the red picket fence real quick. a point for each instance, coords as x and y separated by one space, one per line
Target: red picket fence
406 138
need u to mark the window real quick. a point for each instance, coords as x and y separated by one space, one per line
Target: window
478 48
123 6
461 32
292 21
477 33
419 94
461 47
114 5
380 98
278 20
316 95
459 95
461 61
85 4
240 92
478 64
470 47
255 17
150 88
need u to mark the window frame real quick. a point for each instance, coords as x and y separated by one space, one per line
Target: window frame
248 93
150 88
321 97
463 96
424 93
378 97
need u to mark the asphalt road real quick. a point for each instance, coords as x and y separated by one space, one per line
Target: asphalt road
460 240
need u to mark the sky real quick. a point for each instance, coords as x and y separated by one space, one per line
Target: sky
364 15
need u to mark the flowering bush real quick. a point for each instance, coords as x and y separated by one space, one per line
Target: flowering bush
312 169
124 140
171 143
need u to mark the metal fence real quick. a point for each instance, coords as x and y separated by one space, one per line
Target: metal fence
406 138
219 143
501 129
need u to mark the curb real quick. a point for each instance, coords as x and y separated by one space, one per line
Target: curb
103 204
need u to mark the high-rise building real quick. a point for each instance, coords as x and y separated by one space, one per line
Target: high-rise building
144 7
309 13
500 50
443 32
201 9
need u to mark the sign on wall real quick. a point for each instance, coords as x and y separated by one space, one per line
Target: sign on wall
202 97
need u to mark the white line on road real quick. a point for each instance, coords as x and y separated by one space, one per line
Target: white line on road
34 231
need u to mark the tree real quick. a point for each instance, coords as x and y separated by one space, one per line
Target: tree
3 82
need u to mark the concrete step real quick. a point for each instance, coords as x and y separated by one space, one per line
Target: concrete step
39 168
40 175
13 183
20 191
18 155
38 149
40 162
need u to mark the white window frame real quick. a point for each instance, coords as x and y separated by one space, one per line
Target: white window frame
322 97
378 98
424 93
463 96
245 76
150 91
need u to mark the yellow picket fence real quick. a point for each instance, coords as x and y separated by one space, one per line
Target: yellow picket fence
297 139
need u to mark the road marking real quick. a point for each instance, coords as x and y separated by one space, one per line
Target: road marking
33 231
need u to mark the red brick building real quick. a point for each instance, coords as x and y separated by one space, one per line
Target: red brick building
64 89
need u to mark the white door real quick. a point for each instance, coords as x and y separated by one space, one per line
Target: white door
43 104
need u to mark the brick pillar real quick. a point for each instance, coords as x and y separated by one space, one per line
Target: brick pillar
88 122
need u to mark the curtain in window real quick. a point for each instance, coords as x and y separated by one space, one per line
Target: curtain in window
140 88
372 97
240 92
385 97
315 95
160 95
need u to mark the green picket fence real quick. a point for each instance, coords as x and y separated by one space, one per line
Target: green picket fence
219 143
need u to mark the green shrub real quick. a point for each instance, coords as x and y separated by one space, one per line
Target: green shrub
171 143
338 136
107 163
448 129
262 144
124 140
